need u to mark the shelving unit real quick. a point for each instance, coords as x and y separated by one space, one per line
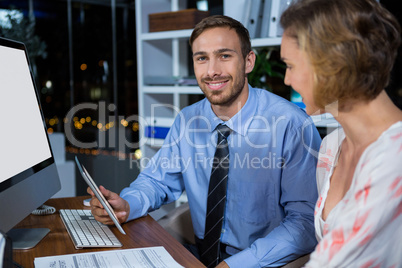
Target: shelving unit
162 56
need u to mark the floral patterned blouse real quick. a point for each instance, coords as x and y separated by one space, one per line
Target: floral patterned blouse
365 228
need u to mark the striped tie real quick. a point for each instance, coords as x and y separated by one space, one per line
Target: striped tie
216 200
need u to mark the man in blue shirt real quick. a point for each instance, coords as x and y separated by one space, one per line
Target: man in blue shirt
271 188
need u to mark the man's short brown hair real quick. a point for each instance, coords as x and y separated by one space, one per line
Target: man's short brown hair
224 21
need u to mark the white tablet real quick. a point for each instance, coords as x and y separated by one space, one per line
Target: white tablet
99 195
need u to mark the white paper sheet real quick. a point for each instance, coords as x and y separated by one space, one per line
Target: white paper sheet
152 257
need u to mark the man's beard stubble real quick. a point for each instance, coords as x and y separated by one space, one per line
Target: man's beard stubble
227 100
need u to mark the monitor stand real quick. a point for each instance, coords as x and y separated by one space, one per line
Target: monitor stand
27 238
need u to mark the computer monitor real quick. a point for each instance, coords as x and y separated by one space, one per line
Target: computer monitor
28 173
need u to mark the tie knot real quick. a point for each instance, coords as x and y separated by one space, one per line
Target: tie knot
223 130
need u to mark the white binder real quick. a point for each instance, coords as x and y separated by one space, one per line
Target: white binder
272 12
266 18
254 20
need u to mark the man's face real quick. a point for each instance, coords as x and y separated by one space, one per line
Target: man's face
219 66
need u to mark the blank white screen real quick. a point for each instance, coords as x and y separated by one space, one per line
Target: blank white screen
23 141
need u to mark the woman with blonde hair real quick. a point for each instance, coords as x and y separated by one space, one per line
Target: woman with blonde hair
339 56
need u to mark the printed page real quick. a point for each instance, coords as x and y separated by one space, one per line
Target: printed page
152 257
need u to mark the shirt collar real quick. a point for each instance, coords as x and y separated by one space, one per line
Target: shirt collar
240 122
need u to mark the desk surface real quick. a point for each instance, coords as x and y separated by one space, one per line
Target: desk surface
143 232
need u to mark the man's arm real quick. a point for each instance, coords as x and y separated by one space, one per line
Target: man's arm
295 236
160 182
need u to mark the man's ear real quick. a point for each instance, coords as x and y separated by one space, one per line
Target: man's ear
250 61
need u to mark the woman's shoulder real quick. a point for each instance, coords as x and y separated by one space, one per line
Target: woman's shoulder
381 162
393 133
389 142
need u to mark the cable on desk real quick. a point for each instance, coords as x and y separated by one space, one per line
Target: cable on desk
44 210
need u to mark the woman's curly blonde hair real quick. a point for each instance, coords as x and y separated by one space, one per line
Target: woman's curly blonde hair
351 45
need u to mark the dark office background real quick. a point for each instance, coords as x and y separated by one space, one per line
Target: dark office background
87 54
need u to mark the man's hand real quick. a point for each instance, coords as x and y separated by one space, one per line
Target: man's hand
120 206
223 264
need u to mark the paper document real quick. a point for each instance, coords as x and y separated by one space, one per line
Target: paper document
155 257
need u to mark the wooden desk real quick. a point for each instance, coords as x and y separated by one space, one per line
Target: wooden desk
143 232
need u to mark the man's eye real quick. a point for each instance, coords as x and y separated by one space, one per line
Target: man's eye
201 58
225 56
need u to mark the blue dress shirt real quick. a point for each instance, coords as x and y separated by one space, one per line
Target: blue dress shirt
271 189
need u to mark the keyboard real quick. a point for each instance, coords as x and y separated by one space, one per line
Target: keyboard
85 231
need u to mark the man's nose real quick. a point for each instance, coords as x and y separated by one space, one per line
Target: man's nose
214 68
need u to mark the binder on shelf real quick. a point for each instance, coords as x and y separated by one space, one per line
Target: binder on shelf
272 11
156 132
157 129
266 18
275 17
283 5
246 14
253 23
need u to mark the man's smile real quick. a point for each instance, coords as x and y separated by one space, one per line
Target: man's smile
213 84
216 85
